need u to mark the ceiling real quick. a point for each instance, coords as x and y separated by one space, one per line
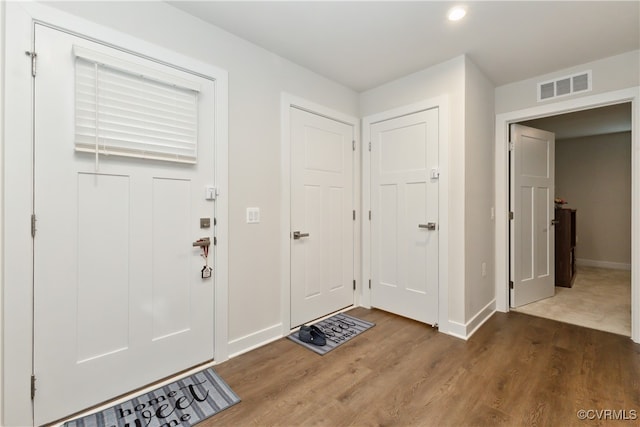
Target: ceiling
363 44
596 121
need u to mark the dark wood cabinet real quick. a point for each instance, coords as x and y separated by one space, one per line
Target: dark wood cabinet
565 235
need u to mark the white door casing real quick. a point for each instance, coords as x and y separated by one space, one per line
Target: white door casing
322 258
404 227
118 297
532 233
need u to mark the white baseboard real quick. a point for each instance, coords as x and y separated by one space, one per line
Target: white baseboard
455 329
581 262
264 336
479 319
466 330
254 340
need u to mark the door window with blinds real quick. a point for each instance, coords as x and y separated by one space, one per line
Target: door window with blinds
125 109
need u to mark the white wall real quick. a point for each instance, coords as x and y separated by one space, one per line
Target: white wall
2 25
256 80
479 195
594 175
608 74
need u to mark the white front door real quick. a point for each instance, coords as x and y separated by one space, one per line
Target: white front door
119 301
404 223
532 235
322 230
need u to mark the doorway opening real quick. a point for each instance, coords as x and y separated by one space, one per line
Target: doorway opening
593 178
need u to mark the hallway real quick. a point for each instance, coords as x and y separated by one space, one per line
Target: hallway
600 299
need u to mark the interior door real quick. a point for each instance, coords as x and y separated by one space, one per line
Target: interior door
119 301
404 227
322 230
532 194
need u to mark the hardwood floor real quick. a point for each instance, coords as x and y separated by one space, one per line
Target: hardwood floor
517 370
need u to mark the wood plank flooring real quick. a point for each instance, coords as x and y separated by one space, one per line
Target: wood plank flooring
517 370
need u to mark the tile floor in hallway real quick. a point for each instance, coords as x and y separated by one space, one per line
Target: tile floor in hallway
600 299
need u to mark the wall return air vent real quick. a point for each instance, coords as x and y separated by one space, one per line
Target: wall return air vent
563 86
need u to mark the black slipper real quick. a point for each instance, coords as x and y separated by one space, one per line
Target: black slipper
312 335
319 338
305 334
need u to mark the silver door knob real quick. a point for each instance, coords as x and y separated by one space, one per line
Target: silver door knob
428 226
297 235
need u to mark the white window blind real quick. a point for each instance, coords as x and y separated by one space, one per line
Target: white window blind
124 109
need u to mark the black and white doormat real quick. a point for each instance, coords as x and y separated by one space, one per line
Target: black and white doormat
338 328
182 403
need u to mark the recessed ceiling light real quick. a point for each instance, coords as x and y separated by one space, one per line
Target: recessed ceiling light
456 13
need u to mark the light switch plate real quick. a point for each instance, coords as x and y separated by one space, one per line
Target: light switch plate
210 193
253 215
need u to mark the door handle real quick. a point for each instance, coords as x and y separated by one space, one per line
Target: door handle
428 226
555 221
297 235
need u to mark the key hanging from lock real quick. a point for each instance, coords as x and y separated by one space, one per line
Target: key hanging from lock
206 271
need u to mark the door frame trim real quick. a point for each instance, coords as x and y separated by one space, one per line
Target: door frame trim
287 101
17 283
503 121
442 103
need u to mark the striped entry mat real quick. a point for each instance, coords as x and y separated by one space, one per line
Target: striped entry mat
182 403
339 329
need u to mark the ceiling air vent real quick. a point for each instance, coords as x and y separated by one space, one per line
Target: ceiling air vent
567 85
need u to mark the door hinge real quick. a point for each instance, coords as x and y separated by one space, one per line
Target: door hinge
354 214
369 214
510 215
369 145
215 240
369 283
510 284
354 284
510 146
354 145
33 387
215 221
33 56
33 225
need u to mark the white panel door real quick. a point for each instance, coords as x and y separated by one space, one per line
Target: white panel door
119 301
322 230
404 227
532 235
